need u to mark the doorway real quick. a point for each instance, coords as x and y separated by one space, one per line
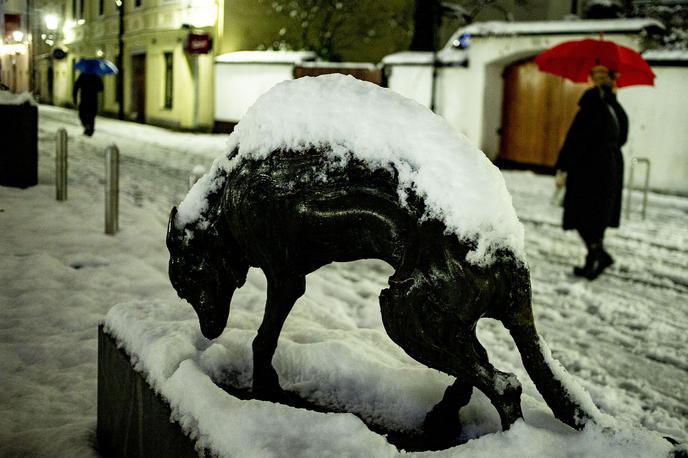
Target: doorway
138 88
538 109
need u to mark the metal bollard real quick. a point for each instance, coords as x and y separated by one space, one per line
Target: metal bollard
197 172
111 190
61 165
629 186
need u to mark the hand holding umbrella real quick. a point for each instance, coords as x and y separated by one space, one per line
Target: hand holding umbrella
98 67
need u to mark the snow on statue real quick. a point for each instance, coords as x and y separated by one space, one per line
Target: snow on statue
334 169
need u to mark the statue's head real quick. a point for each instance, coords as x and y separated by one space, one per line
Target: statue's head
202 273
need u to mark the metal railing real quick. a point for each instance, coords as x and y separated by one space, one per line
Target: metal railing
629 186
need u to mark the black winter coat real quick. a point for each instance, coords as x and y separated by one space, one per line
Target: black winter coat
89 85
592 157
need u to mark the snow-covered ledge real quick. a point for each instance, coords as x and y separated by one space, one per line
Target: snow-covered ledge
10 98
326 359
132 419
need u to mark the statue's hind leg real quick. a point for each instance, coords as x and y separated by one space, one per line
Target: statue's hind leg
473 368
282 294
442 423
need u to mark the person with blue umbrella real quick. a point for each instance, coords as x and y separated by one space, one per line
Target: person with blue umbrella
89 84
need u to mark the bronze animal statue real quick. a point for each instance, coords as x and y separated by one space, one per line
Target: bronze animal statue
293 211
334 169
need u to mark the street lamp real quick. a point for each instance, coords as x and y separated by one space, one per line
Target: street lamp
201 13
52 22
120 60
17 35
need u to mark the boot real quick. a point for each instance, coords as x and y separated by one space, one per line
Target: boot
588 269
604 260
595 262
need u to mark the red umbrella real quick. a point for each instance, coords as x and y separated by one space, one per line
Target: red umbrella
574 59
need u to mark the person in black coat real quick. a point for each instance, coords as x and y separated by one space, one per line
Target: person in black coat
89 84
590 164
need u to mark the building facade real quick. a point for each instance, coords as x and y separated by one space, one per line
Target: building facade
14 45
166 74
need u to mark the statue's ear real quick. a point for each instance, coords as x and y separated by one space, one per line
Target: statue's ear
214 232
228 252
173 235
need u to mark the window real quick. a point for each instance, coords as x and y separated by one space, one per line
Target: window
78 9
118 88
12 24
137 3
101 7
169 79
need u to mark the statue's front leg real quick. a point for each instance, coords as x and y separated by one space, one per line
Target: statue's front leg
548 375
282 293
265 380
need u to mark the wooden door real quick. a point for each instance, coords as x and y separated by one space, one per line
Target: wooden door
138 90
51 80
537 111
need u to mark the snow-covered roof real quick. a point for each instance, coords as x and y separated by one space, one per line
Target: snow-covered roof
667 55
271 57
496 28
408 58
446 56
324 64
458 183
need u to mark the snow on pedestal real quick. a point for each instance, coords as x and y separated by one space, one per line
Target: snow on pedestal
10 98
327 359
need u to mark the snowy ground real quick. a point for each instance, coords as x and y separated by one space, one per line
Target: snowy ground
624 336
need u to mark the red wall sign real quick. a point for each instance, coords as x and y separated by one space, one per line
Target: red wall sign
198 43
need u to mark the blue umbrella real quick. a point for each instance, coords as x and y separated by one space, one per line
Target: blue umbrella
96 66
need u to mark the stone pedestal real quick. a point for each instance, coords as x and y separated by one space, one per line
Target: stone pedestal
133 421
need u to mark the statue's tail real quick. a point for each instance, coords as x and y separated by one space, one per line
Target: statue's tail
569 401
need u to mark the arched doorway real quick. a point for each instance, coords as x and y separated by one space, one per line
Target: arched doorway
537 110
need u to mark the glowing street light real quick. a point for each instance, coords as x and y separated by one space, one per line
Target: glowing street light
201 13
17 35
68 30
51 21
